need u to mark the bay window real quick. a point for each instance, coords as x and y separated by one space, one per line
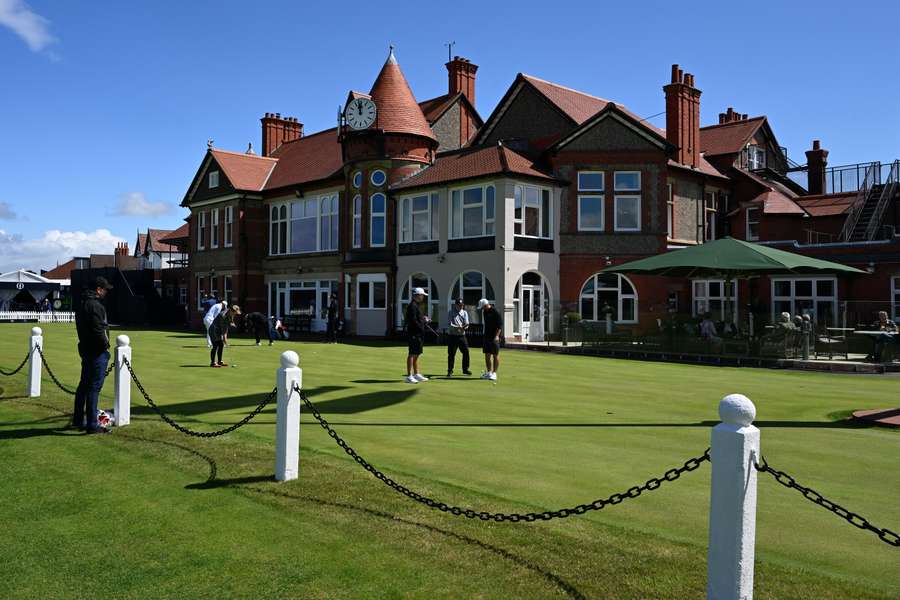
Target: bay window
419 218
472 212
278 237
328 223
627 216
303 225
357 221
313 226
532 216
377 208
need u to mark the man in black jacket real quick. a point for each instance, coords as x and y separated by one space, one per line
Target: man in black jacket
93 347
415 329
332 319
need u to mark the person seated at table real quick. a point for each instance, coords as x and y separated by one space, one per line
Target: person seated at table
708 329
887 327
784 323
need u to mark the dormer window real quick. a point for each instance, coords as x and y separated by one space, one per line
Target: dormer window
756 158
213 179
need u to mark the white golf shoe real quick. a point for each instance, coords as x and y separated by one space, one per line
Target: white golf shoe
485 375
420 377
411 379
493 377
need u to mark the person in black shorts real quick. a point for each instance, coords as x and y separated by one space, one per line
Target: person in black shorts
415 329
491 341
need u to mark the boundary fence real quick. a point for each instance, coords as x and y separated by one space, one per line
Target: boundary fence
32 316
734 454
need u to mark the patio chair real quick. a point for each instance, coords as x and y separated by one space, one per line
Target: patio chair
827 343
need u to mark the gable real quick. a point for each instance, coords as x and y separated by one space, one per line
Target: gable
200 189
611 133
530 115
447 128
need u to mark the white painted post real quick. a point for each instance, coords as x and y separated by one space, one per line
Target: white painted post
287 422
732 514
608 324
35 363
122 404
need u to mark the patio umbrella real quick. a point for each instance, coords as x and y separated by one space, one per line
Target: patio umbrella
729 259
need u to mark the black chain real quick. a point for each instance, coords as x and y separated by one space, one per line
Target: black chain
110 368
885 535
19 368
50 372
633 492
202 434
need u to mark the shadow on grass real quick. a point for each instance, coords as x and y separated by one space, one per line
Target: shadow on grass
556 580
213 469
21 434
852 424
211 484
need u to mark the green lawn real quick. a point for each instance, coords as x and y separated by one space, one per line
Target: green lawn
149 512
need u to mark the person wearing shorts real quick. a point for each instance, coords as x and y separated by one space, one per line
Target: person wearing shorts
491 340
415 329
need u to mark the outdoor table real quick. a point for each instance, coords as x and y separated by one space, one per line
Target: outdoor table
873 335
841 333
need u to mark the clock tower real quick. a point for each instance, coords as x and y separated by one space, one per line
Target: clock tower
384 137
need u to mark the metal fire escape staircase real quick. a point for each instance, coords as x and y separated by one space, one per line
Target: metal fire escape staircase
865 217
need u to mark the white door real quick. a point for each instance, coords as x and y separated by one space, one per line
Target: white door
532 313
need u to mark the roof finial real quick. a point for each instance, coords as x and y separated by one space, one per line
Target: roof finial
209 143
391 60
250 148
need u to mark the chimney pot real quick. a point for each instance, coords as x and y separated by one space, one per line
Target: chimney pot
816 145
674 74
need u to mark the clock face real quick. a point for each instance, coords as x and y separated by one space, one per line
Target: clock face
360 113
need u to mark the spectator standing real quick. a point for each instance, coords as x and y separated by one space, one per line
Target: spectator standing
415 329
491 341
457 323
93 348
332 319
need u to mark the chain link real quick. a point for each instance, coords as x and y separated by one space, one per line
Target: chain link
201 434
633 492
19 368
885 535
50 372
110 368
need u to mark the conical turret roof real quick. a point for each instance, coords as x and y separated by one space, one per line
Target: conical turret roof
398 111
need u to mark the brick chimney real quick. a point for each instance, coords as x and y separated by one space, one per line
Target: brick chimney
731 117
683 117
120 253
277 130
461 74
816 161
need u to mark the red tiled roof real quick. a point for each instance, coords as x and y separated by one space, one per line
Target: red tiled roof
776 203
826 205
473 162
705 168
398 111
63 271
435 107
728 138
246 172
309 158
179 235
156 236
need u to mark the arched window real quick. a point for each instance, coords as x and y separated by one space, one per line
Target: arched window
431 304
472 286
603 293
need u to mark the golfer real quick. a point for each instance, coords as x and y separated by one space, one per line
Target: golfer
218 333
258 324
491 342
211 315
93 348
415 329
458 322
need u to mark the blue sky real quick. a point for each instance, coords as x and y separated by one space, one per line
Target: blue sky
106 106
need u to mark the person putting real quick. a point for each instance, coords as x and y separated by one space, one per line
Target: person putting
259 325
415 329
491 341
214 311
458 322
218 334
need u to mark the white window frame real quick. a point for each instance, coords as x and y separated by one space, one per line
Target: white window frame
488 225
370 279
602 199
619 298
747 221
357 221
433 300
200 292
432 212
815 297
636 190
635 197
214 229
227 289
286 222
474 313
213 181
700 301
602 187
710 212
756 157
182 295
521 192
372 178
670 212
201 230
332 203
357 180
372 215
228 234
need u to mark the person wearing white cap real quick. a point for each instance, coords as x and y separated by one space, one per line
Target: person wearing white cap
415 329
491 338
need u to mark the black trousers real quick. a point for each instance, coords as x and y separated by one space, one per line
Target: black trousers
331 333
217 348
262 328
454 342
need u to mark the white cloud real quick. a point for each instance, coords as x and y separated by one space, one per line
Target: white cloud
54 247
135 204
6 212
28 25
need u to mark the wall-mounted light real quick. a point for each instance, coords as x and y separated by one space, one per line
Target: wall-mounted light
299 269
871 267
